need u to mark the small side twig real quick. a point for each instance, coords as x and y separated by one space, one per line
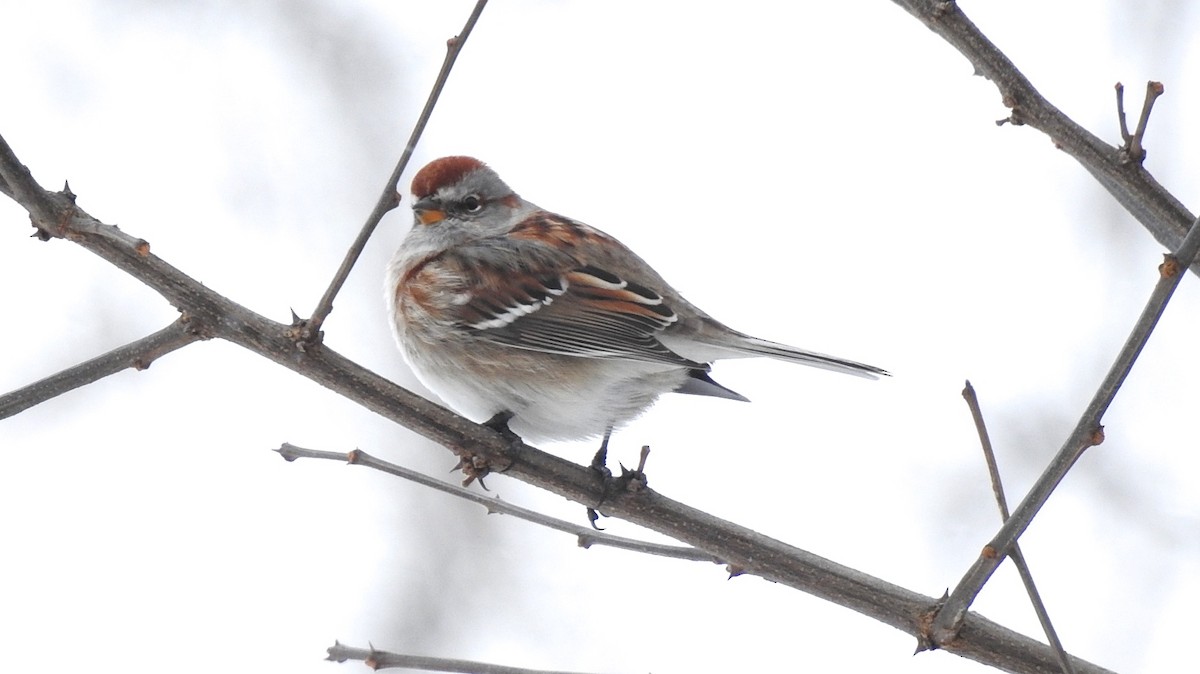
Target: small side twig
377 659
1087 433
1018 558
308 331
585 536
1133 149
138 355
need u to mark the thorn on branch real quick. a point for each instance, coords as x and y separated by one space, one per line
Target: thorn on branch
1133 149
634 480
924 625
1010 101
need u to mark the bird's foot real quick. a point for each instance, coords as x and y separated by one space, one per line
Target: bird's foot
476 467
631 481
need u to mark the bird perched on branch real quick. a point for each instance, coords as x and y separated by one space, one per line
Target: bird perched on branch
538 323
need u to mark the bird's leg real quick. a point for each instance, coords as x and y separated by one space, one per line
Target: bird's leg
630 481
499 423
600 461
599 464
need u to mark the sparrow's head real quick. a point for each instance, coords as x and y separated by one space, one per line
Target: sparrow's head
464 191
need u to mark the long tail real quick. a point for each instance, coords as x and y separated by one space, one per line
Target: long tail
755 346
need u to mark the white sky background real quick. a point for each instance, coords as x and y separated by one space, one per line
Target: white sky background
830 177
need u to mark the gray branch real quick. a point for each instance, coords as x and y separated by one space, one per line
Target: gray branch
1116 169
56 215
137 355
586 536
376 659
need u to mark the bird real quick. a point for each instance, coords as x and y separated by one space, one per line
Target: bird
546 328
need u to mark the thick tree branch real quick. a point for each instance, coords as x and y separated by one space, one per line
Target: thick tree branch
56 215
1134 188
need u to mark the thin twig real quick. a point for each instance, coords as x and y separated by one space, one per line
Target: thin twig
1018 558
1087 432
138 355
1136 147
585 536
309 330
1126 137
376 659
1133 148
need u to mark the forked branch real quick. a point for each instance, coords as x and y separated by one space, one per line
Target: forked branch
1018 558
308 331
1133 187
1087 433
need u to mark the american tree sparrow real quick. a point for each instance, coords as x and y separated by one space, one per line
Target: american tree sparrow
542 324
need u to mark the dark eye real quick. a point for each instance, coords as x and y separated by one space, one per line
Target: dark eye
471 203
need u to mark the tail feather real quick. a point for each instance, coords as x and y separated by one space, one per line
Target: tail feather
761 347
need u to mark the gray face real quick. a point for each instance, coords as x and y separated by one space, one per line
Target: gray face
477 206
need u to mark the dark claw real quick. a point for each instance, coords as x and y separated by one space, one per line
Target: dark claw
593 516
